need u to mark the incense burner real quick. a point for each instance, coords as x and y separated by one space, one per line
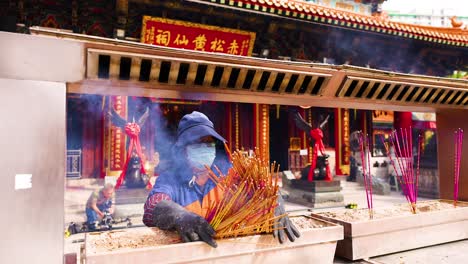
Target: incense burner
317 244
397 229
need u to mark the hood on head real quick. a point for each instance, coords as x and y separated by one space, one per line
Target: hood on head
194 126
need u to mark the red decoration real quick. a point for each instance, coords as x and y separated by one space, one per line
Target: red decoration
317 136
133 131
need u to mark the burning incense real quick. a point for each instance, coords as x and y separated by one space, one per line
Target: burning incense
366 170
402 144
458 151
250 197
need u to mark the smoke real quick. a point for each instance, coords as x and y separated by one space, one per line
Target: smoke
373 50
88 124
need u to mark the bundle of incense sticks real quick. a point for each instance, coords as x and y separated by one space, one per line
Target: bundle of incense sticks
402 144
364 145
250 197
458 151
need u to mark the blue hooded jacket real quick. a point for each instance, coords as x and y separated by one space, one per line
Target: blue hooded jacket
175 181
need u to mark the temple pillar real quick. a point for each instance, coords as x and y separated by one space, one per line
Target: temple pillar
114 150
236 127
228 124
307 143
91 140
262 129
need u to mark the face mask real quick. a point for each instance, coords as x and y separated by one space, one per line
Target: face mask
201 154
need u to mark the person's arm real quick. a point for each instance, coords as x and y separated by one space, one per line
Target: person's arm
112 208
149 207
95 208
161 211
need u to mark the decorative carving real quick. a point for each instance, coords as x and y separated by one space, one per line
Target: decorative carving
457 24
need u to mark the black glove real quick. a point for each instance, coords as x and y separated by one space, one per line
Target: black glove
191 227
284 224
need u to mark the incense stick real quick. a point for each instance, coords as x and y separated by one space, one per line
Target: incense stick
250 196
364 144
402 144
458 150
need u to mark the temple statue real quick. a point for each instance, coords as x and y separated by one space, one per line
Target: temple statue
133 172
319 169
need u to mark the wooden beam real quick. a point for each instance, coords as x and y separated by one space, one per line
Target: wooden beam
174 72
426 94
271 81
357 88
92 66
379 89
256 80
369 88
299 81
240 78
284 82
225 77
209 75
114 67
135 69
164 90
389 90
155 70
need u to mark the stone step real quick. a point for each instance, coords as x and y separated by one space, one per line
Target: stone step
357 192
350 188
125 195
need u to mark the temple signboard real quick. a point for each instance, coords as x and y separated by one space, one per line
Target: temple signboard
193 36
342 133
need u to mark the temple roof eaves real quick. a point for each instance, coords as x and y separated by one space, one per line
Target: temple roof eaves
308 11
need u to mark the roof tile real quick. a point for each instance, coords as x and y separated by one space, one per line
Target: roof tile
452 34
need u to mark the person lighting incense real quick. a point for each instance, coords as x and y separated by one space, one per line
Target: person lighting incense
184 194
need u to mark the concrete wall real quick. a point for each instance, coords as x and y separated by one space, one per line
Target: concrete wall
32 140
28 57
34 71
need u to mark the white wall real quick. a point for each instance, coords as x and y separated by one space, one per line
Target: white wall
34 71
32 141
29 57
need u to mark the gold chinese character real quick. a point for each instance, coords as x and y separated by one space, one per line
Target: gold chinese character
200 42
217 45
163 37
181 40
149 36
245 45
233 48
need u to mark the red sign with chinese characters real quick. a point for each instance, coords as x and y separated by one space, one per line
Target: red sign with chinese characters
192 36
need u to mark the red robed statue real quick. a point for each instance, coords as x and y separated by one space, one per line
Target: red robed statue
319 168
133 171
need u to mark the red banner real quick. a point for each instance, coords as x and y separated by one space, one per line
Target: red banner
193 36
342 148
118 139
